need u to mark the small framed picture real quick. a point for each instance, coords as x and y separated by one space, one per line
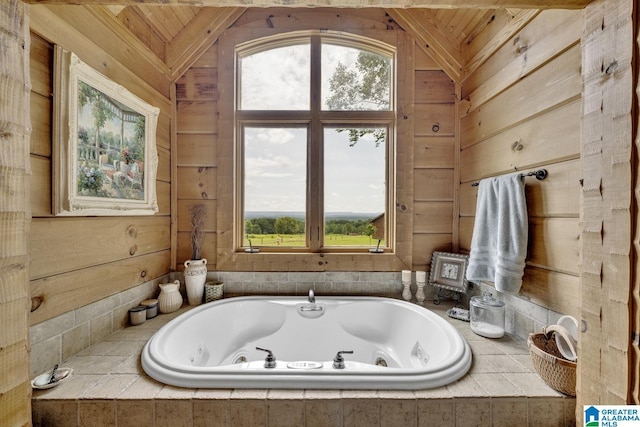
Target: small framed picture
448 271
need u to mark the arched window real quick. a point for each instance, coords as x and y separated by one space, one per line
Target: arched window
315 117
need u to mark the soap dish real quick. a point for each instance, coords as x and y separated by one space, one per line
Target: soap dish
41 382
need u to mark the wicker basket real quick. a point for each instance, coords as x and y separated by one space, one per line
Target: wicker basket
558 372
213 291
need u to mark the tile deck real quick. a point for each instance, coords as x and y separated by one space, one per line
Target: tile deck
109 387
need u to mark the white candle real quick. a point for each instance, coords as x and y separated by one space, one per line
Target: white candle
406 275
421 276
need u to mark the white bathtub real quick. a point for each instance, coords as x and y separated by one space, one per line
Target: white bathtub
214 345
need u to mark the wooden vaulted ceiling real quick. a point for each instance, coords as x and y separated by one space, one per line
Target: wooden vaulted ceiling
170 32
178 31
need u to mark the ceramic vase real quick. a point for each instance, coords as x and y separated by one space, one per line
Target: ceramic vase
195 275
170 298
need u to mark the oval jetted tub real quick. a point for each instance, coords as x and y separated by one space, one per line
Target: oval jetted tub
396 345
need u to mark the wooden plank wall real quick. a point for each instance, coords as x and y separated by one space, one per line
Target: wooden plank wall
79 260
520 110
197 134
205 156
434 142
605 371
15 389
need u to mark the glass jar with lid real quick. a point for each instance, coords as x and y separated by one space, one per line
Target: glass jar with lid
487 316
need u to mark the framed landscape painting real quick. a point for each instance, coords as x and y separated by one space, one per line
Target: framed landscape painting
105 157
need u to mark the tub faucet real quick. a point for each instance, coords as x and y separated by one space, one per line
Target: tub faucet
312 296
338 361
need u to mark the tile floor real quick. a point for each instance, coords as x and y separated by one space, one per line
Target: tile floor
109 388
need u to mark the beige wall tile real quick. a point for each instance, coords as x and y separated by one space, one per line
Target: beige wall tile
467 386
97 413
472 412
72 388
436 412
532 385
509 412
211 413
323 412
131 365
75 340
248 412
546 412
95 364
52 327
398 412
54 413
142 388
360 412
110 387
44 355
101 327
135 413
115 348
96 309
171 392
570 411
285 413
207 393
498 385
174 413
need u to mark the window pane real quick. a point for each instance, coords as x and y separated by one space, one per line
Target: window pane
355 79
354 186
276 79
275 160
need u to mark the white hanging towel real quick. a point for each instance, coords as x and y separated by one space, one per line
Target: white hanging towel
500 233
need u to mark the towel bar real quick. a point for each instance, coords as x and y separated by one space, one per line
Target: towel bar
540 175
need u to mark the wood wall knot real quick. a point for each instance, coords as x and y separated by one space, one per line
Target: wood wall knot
611 68
36 302
132 231
435 128
521 46
133 249
517 145
143 273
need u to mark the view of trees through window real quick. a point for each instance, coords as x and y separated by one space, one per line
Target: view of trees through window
282 153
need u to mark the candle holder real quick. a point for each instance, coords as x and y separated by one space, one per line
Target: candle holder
406 292
421 281
406 283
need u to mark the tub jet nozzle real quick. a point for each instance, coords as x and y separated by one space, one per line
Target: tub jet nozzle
270 360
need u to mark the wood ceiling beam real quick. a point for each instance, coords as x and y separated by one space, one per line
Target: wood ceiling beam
197 36
425 27
434 4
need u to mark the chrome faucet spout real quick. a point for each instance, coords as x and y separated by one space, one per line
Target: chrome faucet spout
312 296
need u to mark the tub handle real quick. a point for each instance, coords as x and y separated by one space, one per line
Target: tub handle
270 360
338 361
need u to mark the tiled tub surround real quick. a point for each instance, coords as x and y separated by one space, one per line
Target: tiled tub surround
62 337
108 387
522 317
